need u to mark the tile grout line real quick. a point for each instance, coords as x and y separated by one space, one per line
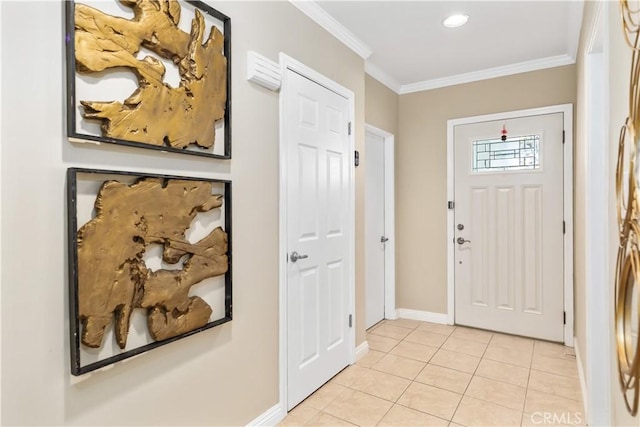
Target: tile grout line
472 376
526 392
393 403
331 415
499 380
412 381
388 373
557 375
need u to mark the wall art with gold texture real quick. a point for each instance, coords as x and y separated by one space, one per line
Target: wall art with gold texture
627 277
150 262
149 73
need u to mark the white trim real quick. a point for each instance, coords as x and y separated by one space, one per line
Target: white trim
270 417
389 220
568 218
384 78
583 383
567 110
451 304
595 128
361 351
287 62
335 28
489 73
593 37
1 145
390 227
424 316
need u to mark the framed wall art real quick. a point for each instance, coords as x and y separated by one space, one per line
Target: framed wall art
149 262
151 74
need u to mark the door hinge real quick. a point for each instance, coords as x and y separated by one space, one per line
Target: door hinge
564 227
563 136
349 128
351 320
450 204
564 317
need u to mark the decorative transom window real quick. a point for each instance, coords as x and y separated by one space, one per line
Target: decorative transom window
516 153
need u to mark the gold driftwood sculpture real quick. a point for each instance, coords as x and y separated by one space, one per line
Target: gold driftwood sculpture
155 113
113 278
627 277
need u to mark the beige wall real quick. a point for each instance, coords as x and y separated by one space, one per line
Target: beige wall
421 181
224 376
381 106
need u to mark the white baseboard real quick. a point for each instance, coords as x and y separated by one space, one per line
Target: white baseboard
362 350
583 378
425 316
390 314
270 417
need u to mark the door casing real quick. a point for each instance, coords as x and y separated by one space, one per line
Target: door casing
389 220
567 110
597 390
289 63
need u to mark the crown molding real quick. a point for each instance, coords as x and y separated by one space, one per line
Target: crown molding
382 77
576 12
489 73
593 39
329 23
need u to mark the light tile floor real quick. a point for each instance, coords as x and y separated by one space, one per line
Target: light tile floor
425 374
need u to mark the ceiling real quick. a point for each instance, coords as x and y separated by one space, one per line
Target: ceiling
407 48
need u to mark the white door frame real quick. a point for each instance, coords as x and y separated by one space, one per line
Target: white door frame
595 129
0 183
288 63
567 109
389 220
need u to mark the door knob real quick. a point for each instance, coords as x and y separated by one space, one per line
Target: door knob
461 241
383 239
295 256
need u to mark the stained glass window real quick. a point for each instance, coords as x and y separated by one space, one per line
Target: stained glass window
516 153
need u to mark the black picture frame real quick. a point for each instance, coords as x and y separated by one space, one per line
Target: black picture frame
75 136
77 368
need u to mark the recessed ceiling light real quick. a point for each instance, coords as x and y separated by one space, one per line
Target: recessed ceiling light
454 21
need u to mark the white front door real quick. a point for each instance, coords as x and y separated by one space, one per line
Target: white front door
318 181
509 226
374 240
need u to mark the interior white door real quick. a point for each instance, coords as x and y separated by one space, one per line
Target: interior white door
509 226
374 204
318 181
